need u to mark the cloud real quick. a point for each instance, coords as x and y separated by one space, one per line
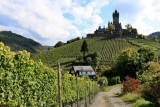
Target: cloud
50 21
140 14
45 20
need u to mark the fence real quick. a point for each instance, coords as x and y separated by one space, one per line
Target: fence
90 90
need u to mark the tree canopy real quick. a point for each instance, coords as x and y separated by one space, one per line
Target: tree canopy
58 44
111 27
154 38
132 60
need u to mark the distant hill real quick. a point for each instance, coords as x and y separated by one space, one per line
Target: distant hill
108 50
18 42
154 34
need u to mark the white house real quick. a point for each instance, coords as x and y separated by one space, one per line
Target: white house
81 70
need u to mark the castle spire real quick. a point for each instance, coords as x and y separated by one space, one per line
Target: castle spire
115 17
116 14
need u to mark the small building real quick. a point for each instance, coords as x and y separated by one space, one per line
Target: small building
81 70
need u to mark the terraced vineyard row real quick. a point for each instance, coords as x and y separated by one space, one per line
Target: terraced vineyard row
107 49
69 51
112 48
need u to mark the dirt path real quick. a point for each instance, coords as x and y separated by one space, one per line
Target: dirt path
109 99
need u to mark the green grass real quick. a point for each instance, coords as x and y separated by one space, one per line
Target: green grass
142 103
108 50
135 100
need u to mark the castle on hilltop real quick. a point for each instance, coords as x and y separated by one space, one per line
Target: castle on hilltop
114 29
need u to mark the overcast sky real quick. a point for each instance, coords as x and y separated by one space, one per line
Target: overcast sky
50 21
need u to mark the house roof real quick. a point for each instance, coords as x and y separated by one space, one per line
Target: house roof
83 68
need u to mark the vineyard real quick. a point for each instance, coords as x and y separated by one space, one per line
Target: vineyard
147 44
26 83
108 50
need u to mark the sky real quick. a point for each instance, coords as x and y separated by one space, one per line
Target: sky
50 21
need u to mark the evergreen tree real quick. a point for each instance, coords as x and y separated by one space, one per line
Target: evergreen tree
84 48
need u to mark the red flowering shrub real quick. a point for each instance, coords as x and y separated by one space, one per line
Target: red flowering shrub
131 85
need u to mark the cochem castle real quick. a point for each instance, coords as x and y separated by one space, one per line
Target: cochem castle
114 29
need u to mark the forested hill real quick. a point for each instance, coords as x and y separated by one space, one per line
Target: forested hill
18 42
154 34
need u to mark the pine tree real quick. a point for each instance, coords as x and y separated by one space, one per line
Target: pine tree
84 48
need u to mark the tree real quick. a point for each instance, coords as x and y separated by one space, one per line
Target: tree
95 59
58 44
111 27
84 49
154 38
127 63
141 36
131 61
146 55
134 32
129 27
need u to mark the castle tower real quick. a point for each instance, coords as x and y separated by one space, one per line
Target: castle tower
115 17
118 27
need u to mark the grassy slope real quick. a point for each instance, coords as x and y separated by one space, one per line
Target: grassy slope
146 43
18 42
108 50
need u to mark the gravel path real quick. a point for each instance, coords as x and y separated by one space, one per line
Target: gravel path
109 99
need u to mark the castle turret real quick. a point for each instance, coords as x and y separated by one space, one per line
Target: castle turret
115 17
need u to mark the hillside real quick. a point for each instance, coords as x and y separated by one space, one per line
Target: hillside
154 34
18 42
108 50
147 44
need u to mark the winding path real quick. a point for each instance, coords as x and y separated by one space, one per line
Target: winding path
109 99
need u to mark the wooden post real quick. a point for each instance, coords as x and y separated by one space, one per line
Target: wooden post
85 92
77 90
92 90
59 86
89 93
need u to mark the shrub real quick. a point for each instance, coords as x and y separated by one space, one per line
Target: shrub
115 80
73 40
151 72
131 85
142 103
151 91
130 97
102 81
